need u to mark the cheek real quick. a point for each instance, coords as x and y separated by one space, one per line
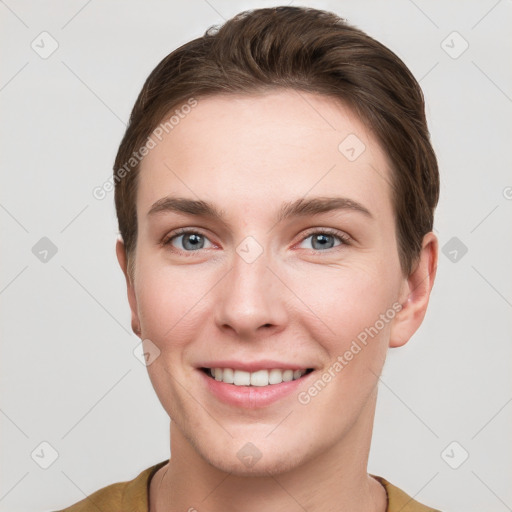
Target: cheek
353 313
344 303
344 297
167 301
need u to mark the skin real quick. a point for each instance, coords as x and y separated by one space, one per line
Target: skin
296 302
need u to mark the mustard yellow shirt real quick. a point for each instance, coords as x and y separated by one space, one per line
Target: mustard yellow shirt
133 496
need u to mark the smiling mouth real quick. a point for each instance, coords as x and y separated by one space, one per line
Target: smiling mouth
258 378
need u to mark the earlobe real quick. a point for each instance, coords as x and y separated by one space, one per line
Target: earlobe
415 293
130 289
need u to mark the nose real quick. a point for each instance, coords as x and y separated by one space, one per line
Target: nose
251 301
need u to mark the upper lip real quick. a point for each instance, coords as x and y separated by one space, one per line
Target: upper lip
253 366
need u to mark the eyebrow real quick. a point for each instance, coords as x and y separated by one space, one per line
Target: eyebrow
297 208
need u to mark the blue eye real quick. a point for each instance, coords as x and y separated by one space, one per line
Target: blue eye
191 240
324 240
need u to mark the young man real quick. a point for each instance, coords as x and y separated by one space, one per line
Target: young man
275 191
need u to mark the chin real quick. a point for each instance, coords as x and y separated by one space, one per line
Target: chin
258 459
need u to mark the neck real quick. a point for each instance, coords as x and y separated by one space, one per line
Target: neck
335 479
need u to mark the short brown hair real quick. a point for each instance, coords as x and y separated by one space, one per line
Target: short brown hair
307 50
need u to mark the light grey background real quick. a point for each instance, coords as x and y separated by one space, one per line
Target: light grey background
68 373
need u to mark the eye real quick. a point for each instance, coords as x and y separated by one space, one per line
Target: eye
187 240
190 240
324 239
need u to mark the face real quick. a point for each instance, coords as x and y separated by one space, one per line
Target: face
266 242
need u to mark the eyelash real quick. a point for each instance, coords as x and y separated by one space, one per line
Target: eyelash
344 239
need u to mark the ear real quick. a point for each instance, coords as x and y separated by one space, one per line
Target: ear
415 293
132 299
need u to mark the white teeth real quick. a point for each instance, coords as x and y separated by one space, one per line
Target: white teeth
228 375
287 375
241 378
259 378
275 377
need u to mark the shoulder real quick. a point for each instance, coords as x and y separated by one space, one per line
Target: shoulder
107 498
398 500
118 496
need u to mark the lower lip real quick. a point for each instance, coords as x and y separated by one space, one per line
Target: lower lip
251 397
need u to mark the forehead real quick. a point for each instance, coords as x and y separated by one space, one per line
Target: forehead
249 151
